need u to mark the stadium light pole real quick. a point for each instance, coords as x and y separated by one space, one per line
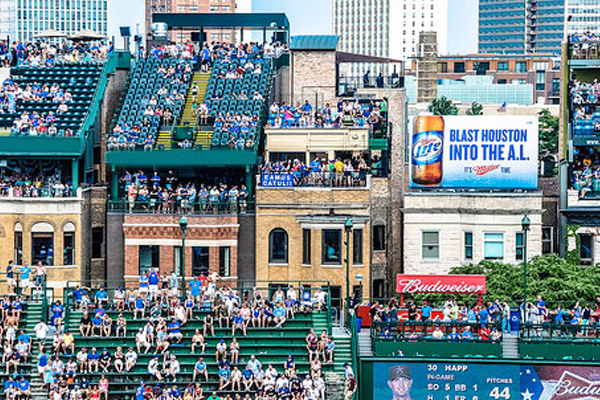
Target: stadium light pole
525 224
183 223
348 225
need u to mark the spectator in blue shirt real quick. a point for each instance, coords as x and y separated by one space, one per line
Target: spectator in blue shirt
153 280
174 332
453 336
425 312
101 296
24 388
224 377
467 335
200 369
195 286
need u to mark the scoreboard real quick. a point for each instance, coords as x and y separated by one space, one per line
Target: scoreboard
484 381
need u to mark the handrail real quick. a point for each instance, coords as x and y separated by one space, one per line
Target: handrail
354 347
94 108
329 312
45 301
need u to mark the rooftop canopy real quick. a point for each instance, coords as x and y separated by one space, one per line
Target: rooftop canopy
314 42
274 21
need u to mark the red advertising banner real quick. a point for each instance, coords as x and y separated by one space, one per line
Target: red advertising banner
458 284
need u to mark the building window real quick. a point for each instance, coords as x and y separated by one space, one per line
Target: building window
378 237
306 250
493 246
332 241
225 261
97 242
540 80
459 67
200 261
540 65
357 247
521 67
547 240
586 249
430 245
18 248
556 85
69 248
503 66
442 67
278 246
468 245
149 258
519 246
42 248
177 258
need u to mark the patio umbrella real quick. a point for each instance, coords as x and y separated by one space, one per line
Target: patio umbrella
87 35
49 33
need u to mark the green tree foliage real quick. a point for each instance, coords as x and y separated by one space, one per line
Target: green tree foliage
475 109
442 106
548 143
552 277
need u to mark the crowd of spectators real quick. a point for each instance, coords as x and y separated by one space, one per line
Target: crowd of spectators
585 45
584 37
46 54
348 113
586 170
240 129
339 172
34 179
155 300
167 194
486 322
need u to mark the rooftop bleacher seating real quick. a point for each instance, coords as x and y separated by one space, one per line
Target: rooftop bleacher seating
228 90
145 83
270 346
80 79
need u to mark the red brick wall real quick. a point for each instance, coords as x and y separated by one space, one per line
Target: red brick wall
202 228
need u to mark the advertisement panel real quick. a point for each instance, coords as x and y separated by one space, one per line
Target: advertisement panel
472 381
463 284
474 152
277 180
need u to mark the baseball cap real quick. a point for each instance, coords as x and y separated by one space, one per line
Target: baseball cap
399 371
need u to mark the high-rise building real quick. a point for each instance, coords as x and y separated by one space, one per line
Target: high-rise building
583 16
388 28
24 19
521 26
197 6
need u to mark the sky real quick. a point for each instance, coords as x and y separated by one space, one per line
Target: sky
315 16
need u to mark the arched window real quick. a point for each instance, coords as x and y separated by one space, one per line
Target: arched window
278 246
42 243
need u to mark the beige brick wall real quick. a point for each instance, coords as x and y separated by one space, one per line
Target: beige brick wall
283 209
313 76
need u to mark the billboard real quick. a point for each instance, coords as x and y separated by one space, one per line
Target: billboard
473 152
463 284
477 381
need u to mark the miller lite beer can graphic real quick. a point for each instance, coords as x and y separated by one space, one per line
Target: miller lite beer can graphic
427 150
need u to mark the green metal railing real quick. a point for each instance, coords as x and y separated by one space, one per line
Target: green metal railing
354 348
174 207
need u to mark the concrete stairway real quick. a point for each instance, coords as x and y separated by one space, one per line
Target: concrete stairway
164 140
510 346
365 345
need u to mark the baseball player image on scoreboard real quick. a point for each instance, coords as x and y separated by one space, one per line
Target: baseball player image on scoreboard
400 382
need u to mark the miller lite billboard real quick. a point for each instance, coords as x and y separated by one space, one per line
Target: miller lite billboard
473 152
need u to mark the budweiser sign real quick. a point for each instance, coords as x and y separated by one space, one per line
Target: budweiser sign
460 284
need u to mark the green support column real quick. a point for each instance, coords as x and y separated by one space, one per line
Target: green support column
114 184
75 175
249 184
